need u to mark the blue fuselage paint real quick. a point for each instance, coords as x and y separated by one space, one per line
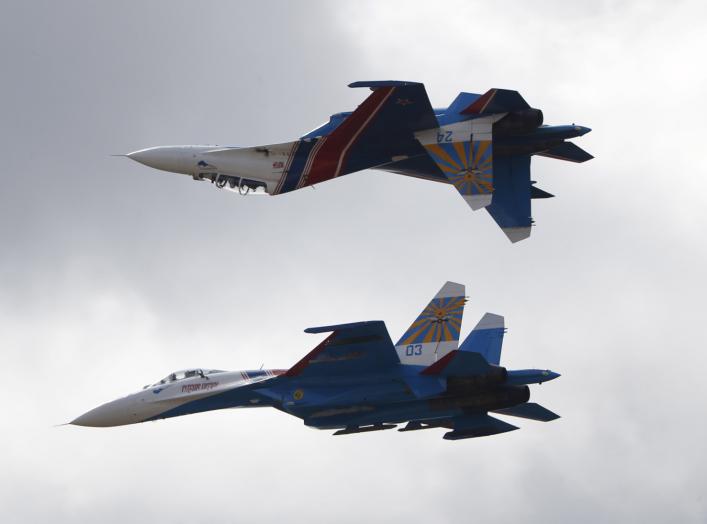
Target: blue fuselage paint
363 400
297 164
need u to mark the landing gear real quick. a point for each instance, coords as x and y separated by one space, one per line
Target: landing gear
238 184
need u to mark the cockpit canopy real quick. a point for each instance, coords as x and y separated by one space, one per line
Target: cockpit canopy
186 373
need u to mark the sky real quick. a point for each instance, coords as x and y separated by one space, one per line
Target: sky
112 274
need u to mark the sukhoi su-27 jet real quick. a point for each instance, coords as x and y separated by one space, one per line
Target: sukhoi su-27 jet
481 144
356 380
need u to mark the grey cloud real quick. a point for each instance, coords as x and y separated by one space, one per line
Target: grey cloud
111 275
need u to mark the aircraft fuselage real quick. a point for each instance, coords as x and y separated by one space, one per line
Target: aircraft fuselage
323 404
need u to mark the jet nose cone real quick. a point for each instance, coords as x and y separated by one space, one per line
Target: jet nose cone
92 419
111 414
170 158
88 420
581 130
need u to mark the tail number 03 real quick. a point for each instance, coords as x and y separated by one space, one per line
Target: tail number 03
413 349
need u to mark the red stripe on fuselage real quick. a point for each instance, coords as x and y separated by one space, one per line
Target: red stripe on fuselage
330 158
308 165
286 168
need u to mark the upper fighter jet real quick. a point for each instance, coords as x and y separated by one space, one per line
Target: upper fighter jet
481 144
356 381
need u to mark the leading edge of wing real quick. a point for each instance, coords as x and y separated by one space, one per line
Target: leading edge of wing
374 84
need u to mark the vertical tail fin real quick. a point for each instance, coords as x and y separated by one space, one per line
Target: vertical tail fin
486 338
511 208
474 179
464 153
435 332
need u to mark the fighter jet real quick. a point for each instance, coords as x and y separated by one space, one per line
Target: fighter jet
356 380
480 144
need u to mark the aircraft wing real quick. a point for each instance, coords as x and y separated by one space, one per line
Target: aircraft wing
407 107
351 349
379 131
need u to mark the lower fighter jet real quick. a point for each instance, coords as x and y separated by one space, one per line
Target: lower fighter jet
480 144
356 381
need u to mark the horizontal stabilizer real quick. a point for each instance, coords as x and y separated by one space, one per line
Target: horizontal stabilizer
486 338
567 151
458 363
361 347
477 426
536 192
529 410
497 101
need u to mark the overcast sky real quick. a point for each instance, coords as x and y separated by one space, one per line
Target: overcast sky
113 275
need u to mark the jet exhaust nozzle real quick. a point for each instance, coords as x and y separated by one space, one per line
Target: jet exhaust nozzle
520 121
471 384
486 400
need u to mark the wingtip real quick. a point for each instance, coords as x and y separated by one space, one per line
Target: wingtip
516 234
451 289
491 321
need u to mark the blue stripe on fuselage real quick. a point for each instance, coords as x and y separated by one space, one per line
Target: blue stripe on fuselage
238 397
301 154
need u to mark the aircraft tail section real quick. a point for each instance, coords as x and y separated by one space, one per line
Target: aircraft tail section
486 338
460 103
435 332
497 101
458 364
464 153
510 207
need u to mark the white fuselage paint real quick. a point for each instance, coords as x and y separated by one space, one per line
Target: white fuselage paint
159 398
264 164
